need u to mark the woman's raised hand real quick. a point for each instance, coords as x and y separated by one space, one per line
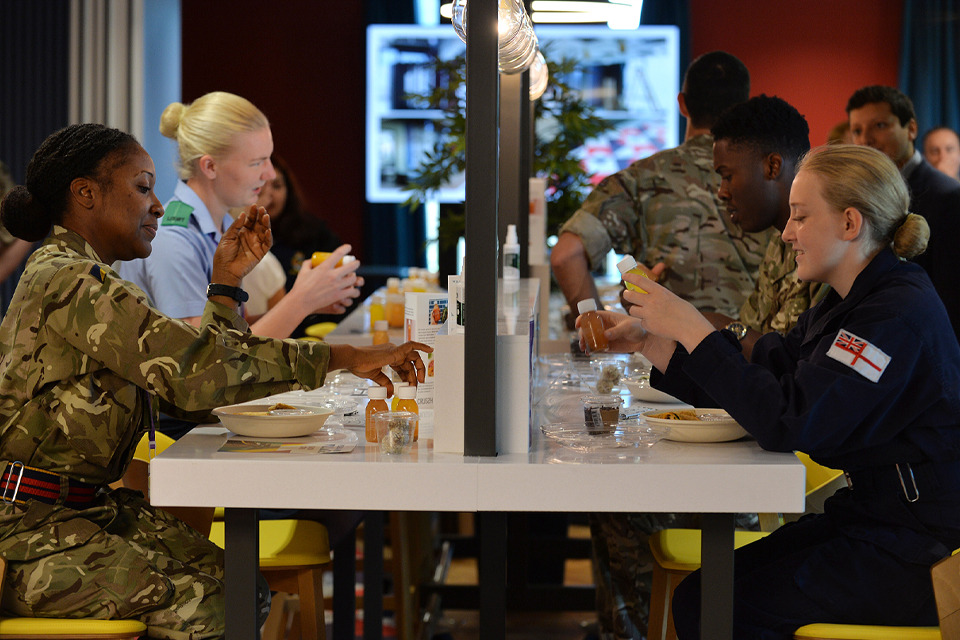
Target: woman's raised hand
664 314
242 246
327 288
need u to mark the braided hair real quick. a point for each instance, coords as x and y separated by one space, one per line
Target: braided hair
77 151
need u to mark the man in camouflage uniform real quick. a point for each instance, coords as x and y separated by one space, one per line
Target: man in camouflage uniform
664 210
756 148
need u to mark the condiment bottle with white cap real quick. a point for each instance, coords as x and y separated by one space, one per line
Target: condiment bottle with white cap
629 265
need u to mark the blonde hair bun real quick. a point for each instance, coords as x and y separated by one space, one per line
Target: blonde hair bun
170 119
910 239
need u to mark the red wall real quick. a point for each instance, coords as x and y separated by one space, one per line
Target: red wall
814 55
303 65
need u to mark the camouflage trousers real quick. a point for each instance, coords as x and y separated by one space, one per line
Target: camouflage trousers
144 565
623 566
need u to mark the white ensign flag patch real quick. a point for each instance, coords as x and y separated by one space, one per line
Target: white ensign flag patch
859 355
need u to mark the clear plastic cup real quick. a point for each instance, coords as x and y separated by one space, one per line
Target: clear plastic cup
395 431
601 414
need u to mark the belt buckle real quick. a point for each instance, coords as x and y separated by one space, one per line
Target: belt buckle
906 494
12 499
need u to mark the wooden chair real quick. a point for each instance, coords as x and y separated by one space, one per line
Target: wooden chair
676 552
293 555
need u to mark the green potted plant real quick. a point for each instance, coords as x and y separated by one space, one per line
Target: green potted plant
563 122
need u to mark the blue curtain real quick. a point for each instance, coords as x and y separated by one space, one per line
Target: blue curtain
930 61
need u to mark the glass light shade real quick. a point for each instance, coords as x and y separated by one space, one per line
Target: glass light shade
459 18
539 76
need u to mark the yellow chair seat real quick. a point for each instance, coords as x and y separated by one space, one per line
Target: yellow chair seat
286 543
320 330
679 549
822 631
81 629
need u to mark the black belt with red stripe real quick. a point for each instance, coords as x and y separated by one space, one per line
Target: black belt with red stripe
20 483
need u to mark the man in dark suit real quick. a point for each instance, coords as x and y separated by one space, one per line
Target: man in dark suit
883 118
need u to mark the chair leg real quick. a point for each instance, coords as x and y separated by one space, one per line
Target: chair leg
275 628
659 603
312 623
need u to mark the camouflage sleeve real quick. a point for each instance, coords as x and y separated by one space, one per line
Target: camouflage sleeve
109 321
596 241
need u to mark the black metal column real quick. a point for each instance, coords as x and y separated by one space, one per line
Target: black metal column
373 575
493 574
482 141
716 576
241 553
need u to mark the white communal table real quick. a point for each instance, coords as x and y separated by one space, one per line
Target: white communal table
716 480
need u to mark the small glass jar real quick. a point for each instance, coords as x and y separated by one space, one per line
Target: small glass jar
601 414
395 431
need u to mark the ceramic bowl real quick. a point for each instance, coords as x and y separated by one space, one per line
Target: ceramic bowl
717 426
259 421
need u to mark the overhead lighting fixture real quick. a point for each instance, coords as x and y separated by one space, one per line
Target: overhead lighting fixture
618 14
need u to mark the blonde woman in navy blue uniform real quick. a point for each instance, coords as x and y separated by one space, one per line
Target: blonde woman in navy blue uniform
868 382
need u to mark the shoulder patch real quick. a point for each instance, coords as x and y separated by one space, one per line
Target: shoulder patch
177 214
859 355
97 273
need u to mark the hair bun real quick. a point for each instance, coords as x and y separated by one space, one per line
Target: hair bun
911 237
170 119
23 216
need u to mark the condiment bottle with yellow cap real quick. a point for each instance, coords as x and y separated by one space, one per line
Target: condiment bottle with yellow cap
376 404
629 265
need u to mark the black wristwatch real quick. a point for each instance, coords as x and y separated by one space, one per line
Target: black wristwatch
236 293
738 329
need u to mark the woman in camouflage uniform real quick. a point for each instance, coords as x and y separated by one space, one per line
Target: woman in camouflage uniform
86 367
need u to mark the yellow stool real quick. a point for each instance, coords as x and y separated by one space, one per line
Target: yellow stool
320 330
865 632
676 554
54 628
292 558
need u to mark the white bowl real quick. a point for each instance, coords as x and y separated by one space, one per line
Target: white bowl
714 429
281 423
640 389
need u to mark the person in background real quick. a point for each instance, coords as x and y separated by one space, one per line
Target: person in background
224 145
86 367
941 148
297 233
13 251
664 209
840 134
884 118
868 382
756 148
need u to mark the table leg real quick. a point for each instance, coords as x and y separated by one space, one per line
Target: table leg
373 575
716 576
493 575
344 588
241 536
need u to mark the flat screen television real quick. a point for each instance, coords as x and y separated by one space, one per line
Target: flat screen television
629 77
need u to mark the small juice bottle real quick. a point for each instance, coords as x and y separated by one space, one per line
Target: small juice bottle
376 404
591 324
377 311
629 265
396 394
380 335
408 402
320 256
395 310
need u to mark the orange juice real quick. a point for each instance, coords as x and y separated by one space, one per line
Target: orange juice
380 335
377 404
408 402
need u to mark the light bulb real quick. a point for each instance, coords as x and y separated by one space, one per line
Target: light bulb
539 76
459 18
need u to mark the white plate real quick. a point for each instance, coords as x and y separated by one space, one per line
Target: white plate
718 427
283 423
641 390
577 436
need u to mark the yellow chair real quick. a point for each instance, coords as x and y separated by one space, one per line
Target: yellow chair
865 632
320 330
293 555
676 552
57 629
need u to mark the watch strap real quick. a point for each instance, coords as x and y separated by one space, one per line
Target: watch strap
236 293
738 329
